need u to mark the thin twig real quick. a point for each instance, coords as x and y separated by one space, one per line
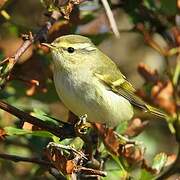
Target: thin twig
69 148
66 130
41 35
57 174
89 171
111 18
29 40
25 159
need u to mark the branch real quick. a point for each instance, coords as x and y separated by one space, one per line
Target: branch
66 130
41 35
83 170
57 174
89 171
25 159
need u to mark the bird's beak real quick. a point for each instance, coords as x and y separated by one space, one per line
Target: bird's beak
49 45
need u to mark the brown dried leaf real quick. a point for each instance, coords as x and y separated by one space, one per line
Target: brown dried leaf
176 32
147 73
109 138
30 127
171 159
70 166
64 27
178 4
2 134
135 127
2 2
147 167
150 41
57 26
68 7
31 90
58 29
61 162
132 152
162 94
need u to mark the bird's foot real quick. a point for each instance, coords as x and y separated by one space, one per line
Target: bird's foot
82 126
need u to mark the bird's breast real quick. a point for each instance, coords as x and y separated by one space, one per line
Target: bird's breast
86 95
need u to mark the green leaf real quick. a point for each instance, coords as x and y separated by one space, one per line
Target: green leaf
121 128
116 159
56 139
43 116
176 76
159 161
77 143
49 4
102 150
19 132
13 30
150 4
115 170
145 175
169 7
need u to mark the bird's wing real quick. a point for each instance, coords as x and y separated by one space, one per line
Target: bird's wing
122 87
117 82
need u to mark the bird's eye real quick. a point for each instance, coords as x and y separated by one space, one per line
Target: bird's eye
70 49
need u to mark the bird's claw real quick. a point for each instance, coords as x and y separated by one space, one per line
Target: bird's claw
82 125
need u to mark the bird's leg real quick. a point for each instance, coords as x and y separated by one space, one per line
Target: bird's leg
81 129
82 126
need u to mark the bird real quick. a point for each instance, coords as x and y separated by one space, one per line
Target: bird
88 82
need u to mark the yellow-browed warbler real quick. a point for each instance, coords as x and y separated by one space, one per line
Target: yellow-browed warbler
89 82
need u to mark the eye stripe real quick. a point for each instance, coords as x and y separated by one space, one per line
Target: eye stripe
90 48
79 46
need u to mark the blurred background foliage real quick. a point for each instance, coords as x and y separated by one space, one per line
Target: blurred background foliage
140 24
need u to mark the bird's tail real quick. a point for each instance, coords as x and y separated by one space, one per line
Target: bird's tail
156 112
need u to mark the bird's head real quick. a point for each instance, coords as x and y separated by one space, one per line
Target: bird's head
72 50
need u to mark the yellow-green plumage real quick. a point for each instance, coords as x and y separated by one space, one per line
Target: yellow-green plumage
89 82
